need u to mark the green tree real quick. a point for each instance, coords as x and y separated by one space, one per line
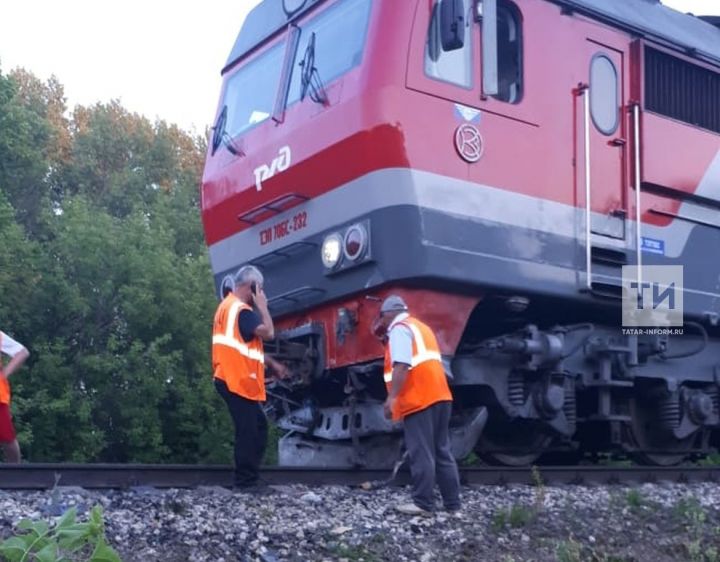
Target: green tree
105 276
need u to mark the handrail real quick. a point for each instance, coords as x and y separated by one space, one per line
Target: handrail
638 185
584 90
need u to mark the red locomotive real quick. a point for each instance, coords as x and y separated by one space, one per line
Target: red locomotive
499 164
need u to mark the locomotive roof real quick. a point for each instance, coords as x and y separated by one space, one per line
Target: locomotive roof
645 17
652 19
263 21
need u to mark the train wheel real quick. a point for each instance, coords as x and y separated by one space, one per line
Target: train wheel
512 443
656 445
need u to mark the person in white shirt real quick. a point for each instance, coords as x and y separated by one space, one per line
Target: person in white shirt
18 354
419 395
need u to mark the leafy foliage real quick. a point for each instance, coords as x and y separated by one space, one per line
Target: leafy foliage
634 498
104 276
66 541
701 540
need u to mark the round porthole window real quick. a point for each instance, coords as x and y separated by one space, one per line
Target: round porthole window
604 104
355 242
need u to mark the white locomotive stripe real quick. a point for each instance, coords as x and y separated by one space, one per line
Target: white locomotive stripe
470 201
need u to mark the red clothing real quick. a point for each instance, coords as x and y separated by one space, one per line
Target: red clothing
7 429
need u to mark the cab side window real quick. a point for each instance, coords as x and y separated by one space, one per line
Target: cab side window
510 53
455 66
604 94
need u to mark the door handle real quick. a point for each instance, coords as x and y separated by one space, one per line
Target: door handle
617 142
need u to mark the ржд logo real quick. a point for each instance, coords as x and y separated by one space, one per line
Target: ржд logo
279 164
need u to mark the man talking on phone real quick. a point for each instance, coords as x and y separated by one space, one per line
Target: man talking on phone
239 361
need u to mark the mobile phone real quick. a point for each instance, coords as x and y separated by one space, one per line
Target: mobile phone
253 288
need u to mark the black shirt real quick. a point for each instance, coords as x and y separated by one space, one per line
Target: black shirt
248 321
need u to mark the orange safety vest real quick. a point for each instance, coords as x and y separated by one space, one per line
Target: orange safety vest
4 391
4 384
240 364
426 382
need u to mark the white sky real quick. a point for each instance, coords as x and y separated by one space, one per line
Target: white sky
160 58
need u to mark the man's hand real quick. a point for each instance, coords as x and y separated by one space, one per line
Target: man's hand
261 300
388 407
280 369
266 330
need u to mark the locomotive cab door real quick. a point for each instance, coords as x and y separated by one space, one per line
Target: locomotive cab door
602 143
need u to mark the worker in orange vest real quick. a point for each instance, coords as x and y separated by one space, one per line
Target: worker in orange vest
18 354
238 362
419 395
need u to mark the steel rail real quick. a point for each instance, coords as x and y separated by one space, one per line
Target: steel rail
42 476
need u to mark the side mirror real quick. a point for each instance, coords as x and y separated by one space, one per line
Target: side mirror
452 24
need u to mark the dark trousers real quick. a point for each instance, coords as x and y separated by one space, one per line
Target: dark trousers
251 432
427 439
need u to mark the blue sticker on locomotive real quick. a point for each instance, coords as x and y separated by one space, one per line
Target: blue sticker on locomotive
653 246
467 114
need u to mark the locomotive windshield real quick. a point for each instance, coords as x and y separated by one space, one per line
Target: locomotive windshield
250 92
340 33
339 40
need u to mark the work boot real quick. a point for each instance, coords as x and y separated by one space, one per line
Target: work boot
256 489
412 509
455 511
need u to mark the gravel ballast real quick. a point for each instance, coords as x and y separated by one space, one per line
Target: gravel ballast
655 522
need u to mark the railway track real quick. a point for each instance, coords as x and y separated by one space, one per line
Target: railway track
42 476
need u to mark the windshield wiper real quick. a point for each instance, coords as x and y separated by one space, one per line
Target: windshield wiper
310 82
220 135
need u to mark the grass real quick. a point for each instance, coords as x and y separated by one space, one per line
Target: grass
698 552
471 460
515 516
539 489
519 515
712 459
634 499
688 509
692 514
358 552
353 553
271 453
569 551
573 551
609 459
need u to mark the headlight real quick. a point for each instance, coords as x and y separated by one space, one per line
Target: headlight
331 250
355 242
